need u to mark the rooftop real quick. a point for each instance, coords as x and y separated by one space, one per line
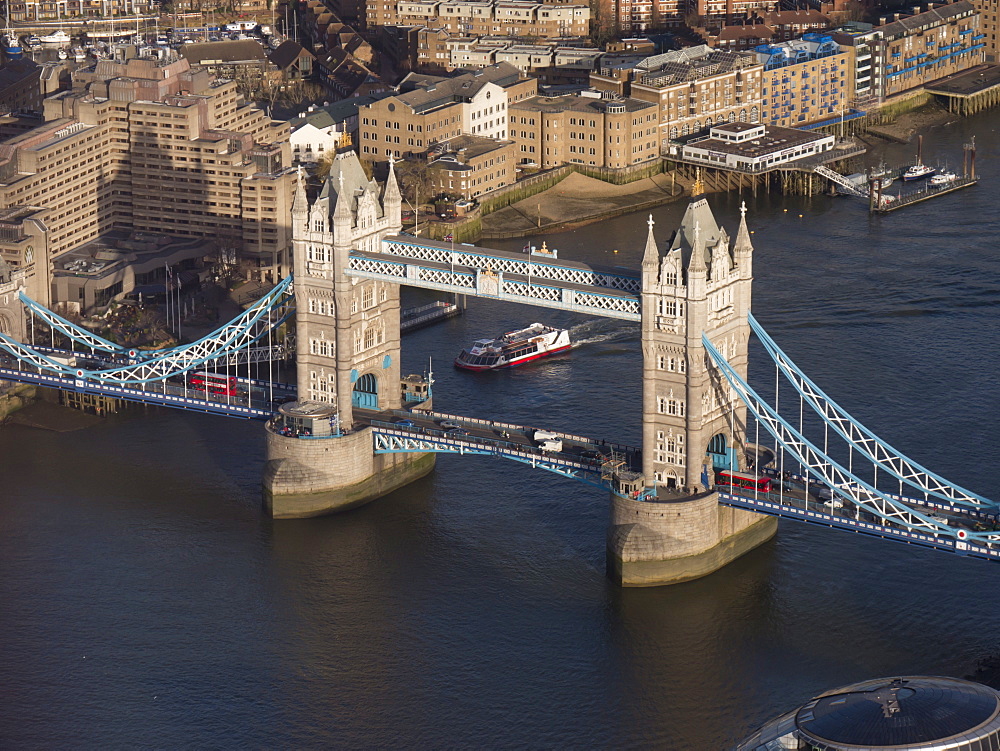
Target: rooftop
573 103
774 139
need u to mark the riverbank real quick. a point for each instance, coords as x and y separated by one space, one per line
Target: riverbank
578 200
908 124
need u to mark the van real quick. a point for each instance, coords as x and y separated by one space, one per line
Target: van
543 435
550 445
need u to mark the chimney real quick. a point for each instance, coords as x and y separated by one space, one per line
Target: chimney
882 20
916 10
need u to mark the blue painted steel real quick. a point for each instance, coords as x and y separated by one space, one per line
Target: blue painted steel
444 444
813 397
166 362
386 362
365 394
769 505
765 415
354 375
136 395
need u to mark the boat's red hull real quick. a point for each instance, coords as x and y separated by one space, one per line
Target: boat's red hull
515 363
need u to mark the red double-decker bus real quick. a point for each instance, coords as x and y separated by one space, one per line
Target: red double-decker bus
214 383
743 480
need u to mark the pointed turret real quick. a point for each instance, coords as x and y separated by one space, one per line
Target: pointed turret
697 263
343 212
650 256
300 203
392 194
742 244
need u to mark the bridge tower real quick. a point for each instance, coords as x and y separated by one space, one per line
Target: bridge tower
347 351
692 422
12 319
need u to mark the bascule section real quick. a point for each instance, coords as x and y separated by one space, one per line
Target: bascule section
698 286
347 358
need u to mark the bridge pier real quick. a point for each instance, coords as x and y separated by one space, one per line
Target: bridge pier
676 539
315 476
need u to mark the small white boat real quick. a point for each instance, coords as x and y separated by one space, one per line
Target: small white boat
943 178
59 37
918 172
62 54
79 54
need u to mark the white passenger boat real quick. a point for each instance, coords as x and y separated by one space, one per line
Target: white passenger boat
514 348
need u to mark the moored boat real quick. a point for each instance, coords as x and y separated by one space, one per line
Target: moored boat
10 45
943 178
514 348
918 172
58 37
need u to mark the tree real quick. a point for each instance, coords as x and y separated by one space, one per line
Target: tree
415 178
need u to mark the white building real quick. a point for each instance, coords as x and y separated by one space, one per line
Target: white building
749 147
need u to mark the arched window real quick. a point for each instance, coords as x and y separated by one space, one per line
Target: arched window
686 130
754 114
368 296
732 117
673 132
743 115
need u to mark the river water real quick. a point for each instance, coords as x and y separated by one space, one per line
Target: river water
146 600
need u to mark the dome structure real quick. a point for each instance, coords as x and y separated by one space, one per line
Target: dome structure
924 713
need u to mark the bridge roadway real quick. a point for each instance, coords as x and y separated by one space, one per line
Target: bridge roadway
536 279
792 501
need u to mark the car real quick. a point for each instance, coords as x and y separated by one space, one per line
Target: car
591 454
457 431
405 423
833 503
448 424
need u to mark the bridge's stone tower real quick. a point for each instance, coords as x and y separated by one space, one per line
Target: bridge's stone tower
12 322
701 283
347 349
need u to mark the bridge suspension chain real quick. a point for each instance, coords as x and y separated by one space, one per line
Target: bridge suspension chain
861 438
242 331
71 330
830 472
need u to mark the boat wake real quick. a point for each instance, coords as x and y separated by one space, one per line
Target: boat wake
602 331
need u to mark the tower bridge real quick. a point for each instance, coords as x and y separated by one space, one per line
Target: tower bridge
718 463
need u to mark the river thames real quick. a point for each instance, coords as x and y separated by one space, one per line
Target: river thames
147 601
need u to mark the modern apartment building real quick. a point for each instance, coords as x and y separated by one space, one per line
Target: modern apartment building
150 146
610 131
914 50
640 15
520 18
861 42
805 81
698 87
436 109
990 15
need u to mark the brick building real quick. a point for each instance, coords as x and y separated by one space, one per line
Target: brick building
804 81
521 18
432 109
914 50
698 87
154 147
470 166
607 132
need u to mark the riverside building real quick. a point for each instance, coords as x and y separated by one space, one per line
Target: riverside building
804 81
520 18
154 147
436 109
610 131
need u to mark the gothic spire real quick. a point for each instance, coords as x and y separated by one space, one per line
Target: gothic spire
697 261
743 244
343 210
650 256
300 204
391 186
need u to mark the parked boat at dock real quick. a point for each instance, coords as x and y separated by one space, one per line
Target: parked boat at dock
918 171
58 37
943 178
514 348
